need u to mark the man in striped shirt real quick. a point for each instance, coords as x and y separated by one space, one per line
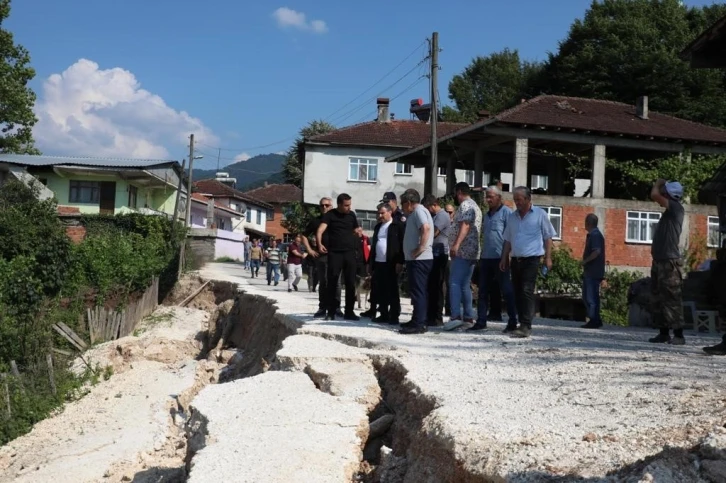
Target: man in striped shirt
273 257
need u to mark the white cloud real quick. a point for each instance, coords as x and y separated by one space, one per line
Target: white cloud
288 18
88 111
281 152
242 157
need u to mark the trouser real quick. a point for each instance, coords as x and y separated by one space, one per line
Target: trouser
247 261
591 298
495 296
341 263
666 298
321 268
388 299
436 288
294 275
524 278
490 275
447 290
273 269
255 268
460 284
418 284
312 275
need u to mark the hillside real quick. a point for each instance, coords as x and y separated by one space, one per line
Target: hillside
251 173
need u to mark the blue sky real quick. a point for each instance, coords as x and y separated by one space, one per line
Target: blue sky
239 76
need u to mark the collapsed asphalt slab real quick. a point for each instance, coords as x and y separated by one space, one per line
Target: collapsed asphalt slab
566 403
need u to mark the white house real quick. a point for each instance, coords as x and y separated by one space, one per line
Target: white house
254 213
351 160
211 234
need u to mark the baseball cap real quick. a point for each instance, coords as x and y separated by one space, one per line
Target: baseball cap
674 190
388 196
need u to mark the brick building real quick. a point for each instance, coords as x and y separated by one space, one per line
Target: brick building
519 143
279 196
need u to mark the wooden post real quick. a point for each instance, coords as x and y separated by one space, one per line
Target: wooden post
14 370
4 378
51 375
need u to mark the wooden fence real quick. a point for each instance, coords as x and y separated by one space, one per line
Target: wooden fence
110 324
5 379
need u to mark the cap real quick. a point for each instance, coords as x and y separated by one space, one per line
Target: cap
388 196
674 190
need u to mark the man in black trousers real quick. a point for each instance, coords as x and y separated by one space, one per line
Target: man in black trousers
340 225
386 262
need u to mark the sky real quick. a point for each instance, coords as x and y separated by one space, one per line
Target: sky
135 78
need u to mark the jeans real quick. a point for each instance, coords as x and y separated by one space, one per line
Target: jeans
491 276
524 278
418 281
294 275
255 268
437 281
247 261
591 297
273 268
460 284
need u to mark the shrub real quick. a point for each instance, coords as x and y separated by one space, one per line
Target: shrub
566 275
614 296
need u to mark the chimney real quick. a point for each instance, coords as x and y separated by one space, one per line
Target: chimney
383 115
641 107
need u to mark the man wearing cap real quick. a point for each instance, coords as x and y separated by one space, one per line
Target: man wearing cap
390 198
666 273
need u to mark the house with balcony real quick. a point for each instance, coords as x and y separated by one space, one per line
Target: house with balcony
279 196
211 234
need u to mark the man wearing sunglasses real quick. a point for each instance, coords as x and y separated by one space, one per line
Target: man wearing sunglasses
321 261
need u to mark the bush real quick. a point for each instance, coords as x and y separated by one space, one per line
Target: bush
614 296
565 278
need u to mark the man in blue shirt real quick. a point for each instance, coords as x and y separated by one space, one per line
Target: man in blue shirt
527 238
493 224
593 273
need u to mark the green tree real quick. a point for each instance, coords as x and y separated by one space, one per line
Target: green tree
16 98
623 49
297 217
493 83
292 167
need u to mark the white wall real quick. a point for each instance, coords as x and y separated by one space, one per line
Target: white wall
240 224
327 169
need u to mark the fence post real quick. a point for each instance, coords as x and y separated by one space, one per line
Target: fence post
16 373
51 375
4 378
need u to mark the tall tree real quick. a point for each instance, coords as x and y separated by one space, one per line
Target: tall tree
623 49
16 98
493 83
292 167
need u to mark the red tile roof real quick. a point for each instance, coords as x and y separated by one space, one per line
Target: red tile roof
599 116
400 133
276 193
205 199
214 188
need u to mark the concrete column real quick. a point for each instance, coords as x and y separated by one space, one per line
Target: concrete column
450 175
479 168
210 213
521 149
597 181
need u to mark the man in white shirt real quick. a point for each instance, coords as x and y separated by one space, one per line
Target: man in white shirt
386 262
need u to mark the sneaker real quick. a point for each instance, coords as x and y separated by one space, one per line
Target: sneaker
678 341
295 287
510 328
660 339
413 330
277 283
453 324
466 326
477 327
521 333
351 316
716 350
592 325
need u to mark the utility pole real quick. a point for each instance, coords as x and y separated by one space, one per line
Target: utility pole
219 155
431 181
187 218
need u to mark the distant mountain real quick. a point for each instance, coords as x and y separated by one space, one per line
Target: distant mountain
251 173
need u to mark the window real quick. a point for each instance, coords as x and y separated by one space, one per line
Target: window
84 192
363 169
442 170
641 226
288 238
367 219
270 215
404 168
469 177
714 232
259 217
539 182
133 196
555 214
249 215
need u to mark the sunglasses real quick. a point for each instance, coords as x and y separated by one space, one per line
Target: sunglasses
450 212
326 205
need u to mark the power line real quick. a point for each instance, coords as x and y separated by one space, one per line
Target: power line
411 86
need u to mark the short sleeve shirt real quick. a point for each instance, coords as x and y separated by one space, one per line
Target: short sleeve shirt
419 217
595 268
470 247
442 222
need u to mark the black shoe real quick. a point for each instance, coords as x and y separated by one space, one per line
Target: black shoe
368 313
277 283
716 350
413 330
289 290
380 320
592 325
320 313
495 317
435 323
330 316
351 316
660 339
393 321
268 283
295 287
339 313
510 328
521 333
477 328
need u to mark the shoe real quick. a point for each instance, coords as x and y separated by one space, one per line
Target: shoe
393 321
330 317
592 325
495 317
320 313
521 333
277 283
295 287
660 339
289 290
453 324
716 350
477 327
510 328
677 340
379 320
268 283
370 313
351 316
413 330
339 313
435 323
